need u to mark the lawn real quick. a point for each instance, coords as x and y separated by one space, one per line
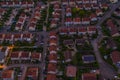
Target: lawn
117 40
106 31
81 13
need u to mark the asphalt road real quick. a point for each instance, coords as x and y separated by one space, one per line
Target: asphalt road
107 71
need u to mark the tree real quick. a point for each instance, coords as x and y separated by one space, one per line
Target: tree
81 13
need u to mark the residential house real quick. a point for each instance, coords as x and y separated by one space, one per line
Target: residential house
56 16
56 6
113 28
79 1
95 6
68 12
53 24
113 1
117 12
93 1
53 42
81 6
53 49
111 44
52 35
93 17
27 36
32 73
85 1
8 37
52 68
87 6
68 42
17 37
25 56
63 31
72 31
15 56
82 30
53 58
4 3
10 4
99 12
68 21
72 2
104 6
89 76
68 56
19 26
64 2
88 58
51 77
77 21
71 71
8 75
24 4
17 3
91 30
35 56
115 56
32 27
2 37
30 4
85 21
37 15
2 57
80 42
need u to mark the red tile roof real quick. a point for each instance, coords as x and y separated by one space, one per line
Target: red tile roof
24 55
14 55
68 20
71 71
51 77
92 28
53 40
88 5
52 34
64 30
35 56
73 30
16 2
53 57
24 2
18 25
77 20
33 20
85 19
82 29
52 67
32 72
89 76
115 55
21 20
17 35
68 55
8 74
27 35
93 16
1 36
10 3
53 48
8 36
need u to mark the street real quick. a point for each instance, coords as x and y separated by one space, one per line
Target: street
107 71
